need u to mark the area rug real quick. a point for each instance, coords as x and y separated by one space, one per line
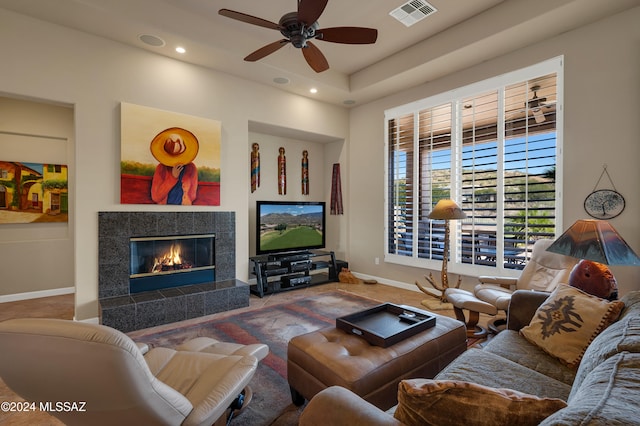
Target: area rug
274 326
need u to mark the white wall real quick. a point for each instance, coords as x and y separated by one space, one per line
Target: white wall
94 75
602 106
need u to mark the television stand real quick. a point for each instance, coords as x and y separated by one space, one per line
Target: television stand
291 270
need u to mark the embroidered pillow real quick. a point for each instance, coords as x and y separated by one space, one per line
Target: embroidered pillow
566 323
452 402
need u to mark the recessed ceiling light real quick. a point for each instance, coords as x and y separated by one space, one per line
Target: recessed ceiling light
180 49
313 90
151 40
281 80
349 102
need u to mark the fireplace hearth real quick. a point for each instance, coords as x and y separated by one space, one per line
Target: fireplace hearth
201 282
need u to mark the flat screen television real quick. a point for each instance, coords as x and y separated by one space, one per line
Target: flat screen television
285 226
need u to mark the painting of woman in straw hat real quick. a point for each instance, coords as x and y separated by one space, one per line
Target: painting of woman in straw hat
168 158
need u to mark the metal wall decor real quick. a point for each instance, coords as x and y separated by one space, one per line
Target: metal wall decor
604 203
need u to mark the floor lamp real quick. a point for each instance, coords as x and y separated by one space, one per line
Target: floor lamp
597 244
446 210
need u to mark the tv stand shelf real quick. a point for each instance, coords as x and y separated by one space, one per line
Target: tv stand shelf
291 270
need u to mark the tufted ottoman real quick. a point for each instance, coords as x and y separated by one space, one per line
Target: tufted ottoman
331 356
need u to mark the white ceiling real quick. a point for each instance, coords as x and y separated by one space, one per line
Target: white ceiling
460 34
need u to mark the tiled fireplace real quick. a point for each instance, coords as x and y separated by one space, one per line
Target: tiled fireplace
156 267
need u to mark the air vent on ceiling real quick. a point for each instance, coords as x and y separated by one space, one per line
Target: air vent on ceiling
413 11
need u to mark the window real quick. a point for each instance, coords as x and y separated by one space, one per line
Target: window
493 147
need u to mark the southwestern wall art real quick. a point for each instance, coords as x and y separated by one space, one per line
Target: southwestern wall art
33 192
168 158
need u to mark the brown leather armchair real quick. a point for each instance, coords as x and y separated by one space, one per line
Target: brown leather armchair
106 373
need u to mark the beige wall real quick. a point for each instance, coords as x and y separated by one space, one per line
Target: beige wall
36 258
94 75
602 106
322 155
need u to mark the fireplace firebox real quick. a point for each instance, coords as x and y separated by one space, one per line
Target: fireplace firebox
171 261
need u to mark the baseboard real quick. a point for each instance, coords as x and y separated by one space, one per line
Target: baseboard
36 294
392 283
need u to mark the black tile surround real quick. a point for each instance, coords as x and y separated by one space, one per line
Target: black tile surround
127 312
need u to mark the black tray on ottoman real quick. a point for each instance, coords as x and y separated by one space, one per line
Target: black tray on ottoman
387 324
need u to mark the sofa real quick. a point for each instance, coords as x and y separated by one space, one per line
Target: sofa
512 375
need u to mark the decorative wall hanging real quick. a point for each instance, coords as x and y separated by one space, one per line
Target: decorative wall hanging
305 172
336 191
255 167
604 203
168 158
33 192
282 172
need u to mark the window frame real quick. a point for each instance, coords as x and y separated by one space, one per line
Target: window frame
455 96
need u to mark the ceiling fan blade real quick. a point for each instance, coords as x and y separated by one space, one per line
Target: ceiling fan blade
266 50
315 58
239 16
310 10
348 35
538 115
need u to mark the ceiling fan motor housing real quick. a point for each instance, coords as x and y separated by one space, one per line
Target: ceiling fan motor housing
297 32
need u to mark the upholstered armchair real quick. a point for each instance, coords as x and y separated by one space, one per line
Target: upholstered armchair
543 272
106 373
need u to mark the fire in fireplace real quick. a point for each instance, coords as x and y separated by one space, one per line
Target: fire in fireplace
171 261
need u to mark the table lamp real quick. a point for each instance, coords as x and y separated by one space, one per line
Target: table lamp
597 244
446 210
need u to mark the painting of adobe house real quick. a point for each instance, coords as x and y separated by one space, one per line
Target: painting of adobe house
168 158
33 192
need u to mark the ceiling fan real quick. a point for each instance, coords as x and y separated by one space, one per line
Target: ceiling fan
299 28
535 105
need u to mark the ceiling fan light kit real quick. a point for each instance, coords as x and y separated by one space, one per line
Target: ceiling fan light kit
299 28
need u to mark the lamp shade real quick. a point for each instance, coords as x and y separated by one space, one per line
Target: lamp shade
595 240
447 209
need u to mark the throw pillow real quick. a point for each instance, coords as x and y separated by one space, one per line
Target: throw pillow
566 323
451 402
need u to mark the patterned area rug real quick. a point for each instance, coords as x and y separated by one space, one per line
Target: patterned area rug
274 326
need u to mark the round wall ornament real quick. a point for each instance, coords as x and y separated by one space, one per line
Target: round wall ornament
604 204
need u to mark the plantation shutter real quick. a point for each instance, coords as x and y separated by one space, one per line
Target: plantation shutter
492 147
435 181
480 178
401 186
529 164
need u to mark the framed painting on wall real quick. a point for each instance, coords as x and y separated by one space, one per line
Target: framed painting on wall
168 157
33 192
